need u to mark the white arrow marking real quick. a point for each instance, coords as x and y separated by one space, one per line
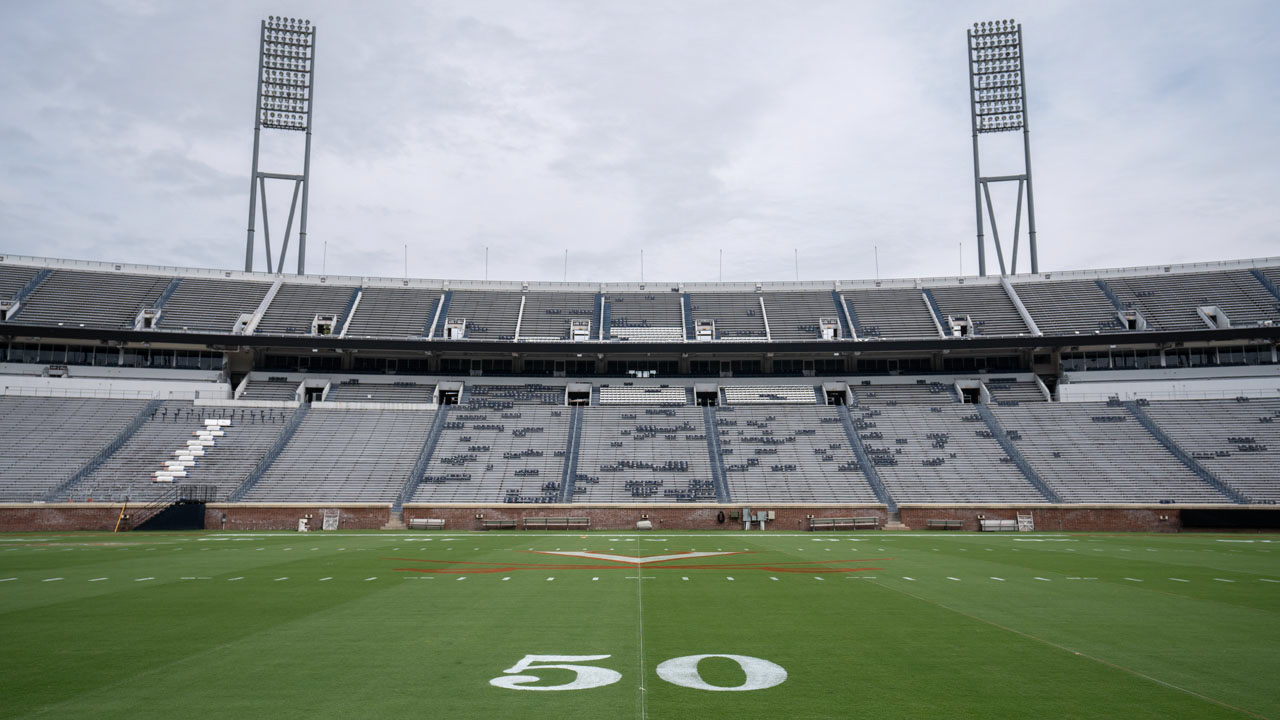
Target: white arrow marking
630 560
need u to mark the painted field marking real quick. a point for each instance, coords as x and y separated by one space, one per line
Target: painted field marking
683 577
550 579
326 579
464 577
281 578
235 578
729 579
770 577
1224 580
287 549
51 580
1043 579
595 579
1133 579
993 577
815 577
1268 580
1179 580
14 578
90 579
904 577
506 578
311 548
375 577
953 578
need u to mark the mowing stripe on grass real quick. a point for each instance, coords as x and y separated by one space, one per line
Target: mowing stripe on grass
1087 656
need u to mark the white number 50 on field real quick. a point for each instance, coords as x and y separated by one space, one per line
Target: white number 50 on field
682 671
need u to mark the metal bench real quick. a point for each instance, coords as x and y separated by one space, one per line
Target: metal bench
426 524
998 525
559 523
844 523
945 524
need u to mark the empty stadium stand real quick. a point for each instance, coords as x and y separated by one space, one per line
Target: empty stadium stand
128 472
789 454
988 306
354 391
737 315
1169 302
93 300
203 305
1238 440
1068 307
547 315
345 455
644 454
890 313
490 315
393 313
294 308
45 441
794 315
1098 453
645 317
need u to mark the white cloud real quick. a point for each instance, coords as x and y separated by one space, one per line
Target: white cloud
683 128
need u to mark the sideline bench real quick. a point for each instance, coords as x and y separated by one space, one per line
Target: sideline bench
426 524
498 524
945 524
559 523
999 525
844 523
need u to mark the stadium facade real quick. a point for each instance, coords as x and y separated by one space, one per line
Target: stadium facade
1131 398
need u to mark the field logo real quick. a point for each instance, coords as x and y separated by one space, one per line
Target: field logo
611 561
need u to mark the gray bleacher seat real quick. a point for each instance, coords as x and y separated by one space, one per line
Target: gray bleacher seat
645 317
45 440
918 394
941 453
891 313
346 456
91 299
1169 302
794 315
643 455
988 306
1236 440
1006 390
127 473
737 315
205 305
295 307
394 312
490 314
547 315
270 389
790 454
1097 453
1068 307
381 392
502 455
13 278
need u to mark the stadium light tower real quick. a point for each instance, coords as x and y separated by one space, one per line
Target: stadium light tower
998 98
286 72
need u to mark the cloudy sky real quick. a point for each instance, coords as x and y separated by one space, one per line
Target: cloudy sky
754 128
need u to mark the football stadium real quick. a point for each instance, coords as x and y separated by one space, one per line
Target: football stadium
259 493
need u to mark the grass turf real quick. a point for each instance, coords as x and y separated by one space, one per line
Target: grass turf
876 624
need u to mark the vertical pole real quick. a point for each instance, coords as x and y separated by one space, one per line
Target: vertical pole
266 226
566 265
1017 223
1026 153
306 159
257 131
797 252
977 189
406 261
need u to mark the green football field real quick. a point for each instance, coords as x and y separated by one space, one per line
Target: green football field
472 625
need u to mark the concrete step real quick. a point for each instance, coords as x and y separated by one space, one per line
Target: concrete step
895 525
395 522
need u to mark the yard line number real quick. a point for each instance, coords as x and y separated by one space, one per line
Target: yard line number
682 671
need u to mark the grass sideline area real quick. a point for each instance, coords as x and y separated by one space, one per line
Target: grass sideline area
838 625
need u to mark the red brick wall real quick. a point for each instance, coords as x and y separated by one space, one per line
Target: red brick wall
1053 518
48 518
241 517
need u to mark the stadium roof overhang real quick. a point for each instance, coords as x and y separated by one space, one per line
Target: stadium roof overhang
722 347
